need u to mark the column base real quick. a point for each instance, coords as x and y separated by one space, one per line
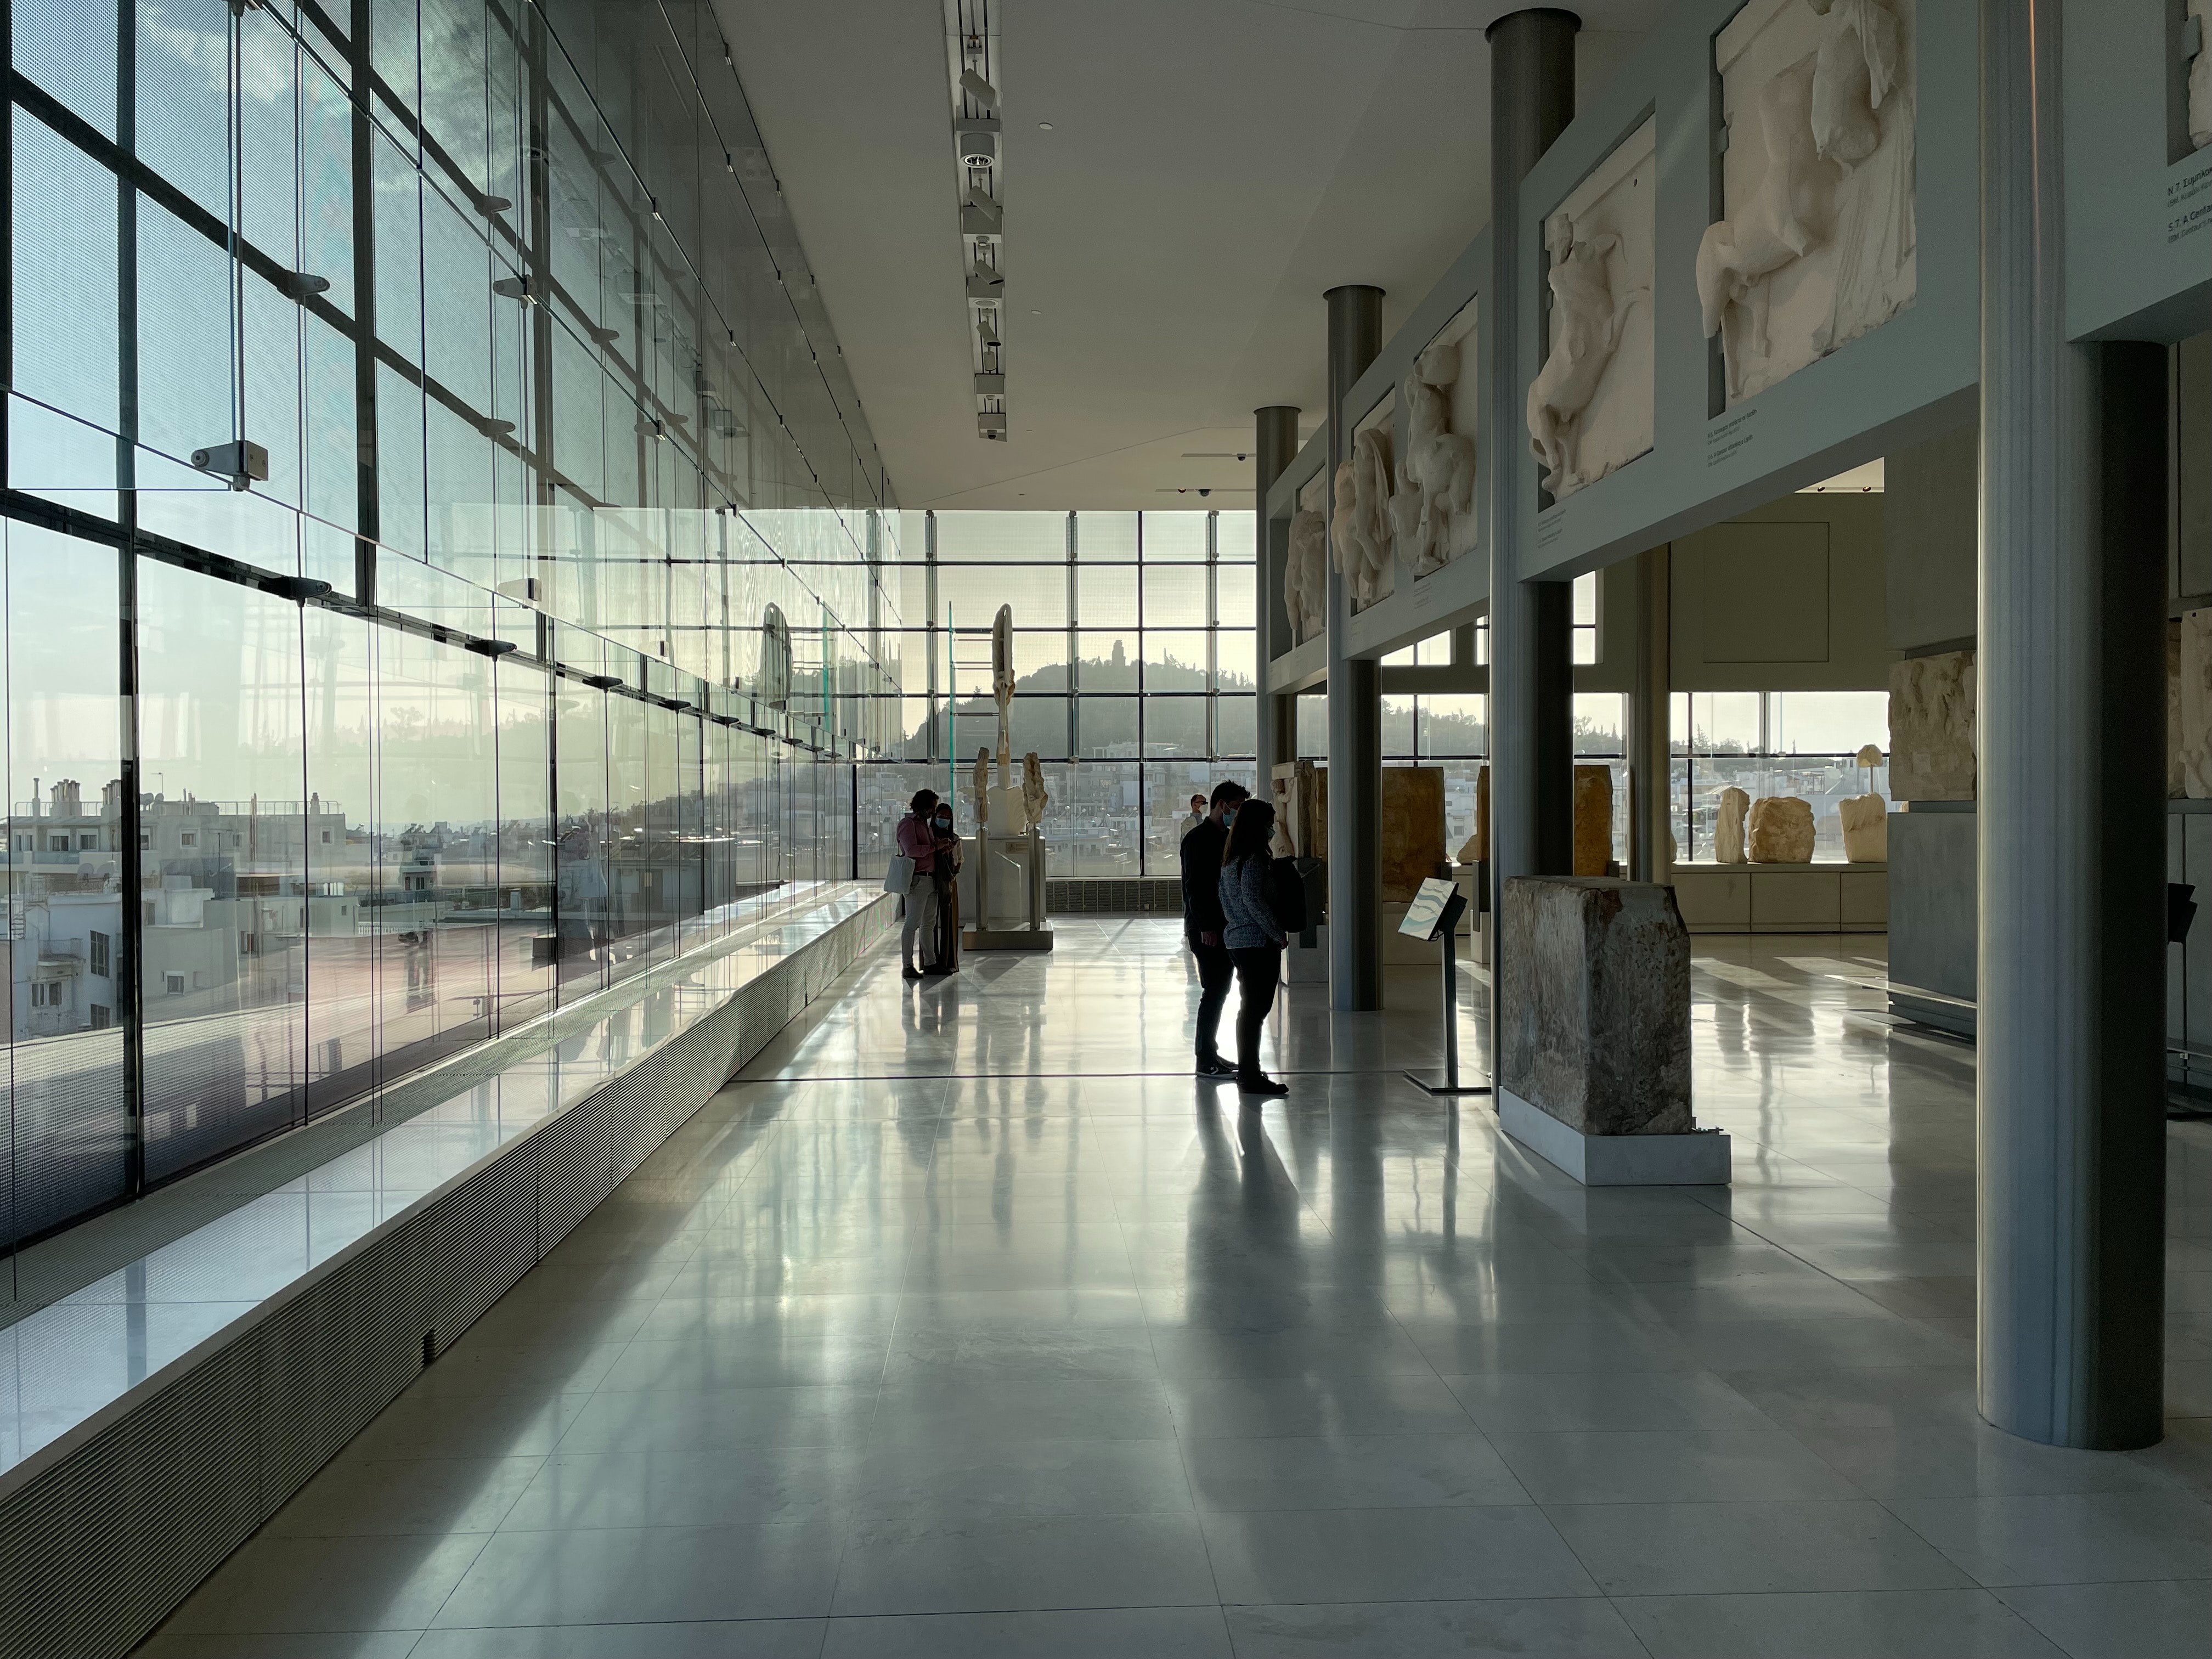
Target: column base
1698 1159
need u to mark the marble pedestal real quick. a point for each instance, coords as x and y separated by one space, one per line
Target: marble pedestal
1005 879
1594 1050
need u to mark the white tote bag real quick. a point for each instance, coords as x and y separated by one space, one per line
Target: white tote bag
900 876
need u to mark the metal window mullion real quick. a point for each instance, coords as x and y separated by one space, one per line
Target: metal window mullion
1212 636
129 988
1143 696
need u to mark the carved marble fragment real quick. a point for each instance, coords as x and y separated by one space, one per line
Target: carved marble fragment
1593 820
1781 830
1728 826
1866 829
1433 510
1305 578
2195 704
1817 245
1931 727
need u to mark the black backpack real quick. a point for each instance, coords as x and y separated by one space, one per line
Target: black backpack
1289 891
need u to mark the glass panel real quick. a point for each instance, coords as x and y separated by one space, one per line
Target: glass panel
1175 661
1177 536
1106 728
225 903
1096 827
68 1116
1102 537
1107 662
1233 595
1028 535
1106 596
1175 596
1232 538
1038 595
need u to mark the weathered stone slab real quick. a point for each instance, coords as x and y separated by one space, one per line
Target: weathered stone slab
1593 820
1931 727
1781 830
1597 1004
2193 704
1412 829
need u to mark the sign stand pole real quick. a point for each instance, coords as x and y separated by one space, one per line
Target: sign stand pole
1445 907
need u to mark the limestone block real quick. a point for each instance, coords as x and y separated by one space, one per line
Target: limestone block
1866 829
1931 727
1596 999
2195 704
1728 826
1781 830
1593 820
1412 829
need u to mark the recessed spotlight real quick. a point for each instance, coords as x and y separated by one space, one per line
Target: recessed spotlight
1044 126
1035 313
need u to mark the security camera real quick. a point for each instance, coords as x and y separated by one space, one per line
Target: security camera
1203 492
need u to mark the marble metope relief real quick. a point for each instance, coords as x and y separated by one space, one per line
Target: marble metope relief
1931 727
1591 408
1359 525
2194 705
1305 576
1728 826
1433 510
1817 245
1781 830
2200 77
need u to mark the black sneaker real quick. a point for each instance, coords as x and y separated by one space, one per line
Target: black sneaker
1216 1067
1260 1084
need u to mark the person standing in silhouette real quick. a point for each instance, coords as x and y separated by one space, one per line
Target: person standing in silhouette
1203 923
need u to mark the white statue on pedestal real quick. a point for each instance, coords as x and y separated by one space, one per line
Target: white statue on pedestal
1436 476
1587 320
1305 577
1009 814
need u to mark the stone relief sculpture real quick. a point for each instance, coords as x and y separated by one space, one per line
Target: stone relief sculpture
1587 320
1305 577
1433 510
1865 819
1781 830
1931 727
2200 79
1817 247
1002 680
1360 528
1728 826
2195 704
982 788
1033 795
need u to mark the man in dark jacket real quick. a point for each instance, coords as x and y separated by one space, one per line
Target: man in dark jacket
1202 922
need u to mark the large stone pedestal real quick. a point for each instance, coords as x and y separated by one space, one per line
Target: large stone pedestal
1595 1046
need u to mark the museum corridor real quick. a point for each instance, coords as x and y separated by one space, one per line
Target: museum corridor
966 1322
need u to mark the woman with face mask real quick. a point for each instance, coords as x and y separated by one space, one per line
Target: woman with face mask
917 840
1254 935
945 872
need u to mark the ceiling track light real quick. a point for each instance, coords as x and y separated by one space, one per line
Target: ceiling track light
979 138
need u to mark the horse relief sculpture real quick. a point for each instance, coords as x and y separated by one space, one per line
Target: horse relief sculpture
1360 529
1305 579
1817 247
1588 318
1432 510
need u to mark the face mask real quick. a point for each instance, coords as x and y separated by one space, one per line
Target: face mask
945 824
1227 817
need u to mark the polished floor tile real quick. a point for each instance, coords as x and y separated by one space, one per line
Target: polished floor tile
966 1322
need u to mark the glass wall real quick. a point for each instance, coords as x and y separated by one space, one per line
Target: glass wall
1808 743
445 563
1133 673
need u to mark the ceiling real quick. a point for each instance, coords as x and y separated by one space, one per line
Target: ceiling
1212 167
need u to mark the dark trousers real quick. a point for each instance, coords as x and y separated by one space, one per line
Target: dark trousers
1215 970
1258 969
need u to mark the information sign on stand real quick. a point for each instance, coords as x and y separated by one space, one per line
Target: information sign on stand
1434 914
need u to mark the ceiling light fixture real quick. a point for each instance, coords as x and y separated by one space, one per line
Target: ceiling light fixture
971 42
1044 126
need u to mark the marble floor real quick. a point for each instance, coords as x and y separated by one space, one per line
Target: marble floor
968 1324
